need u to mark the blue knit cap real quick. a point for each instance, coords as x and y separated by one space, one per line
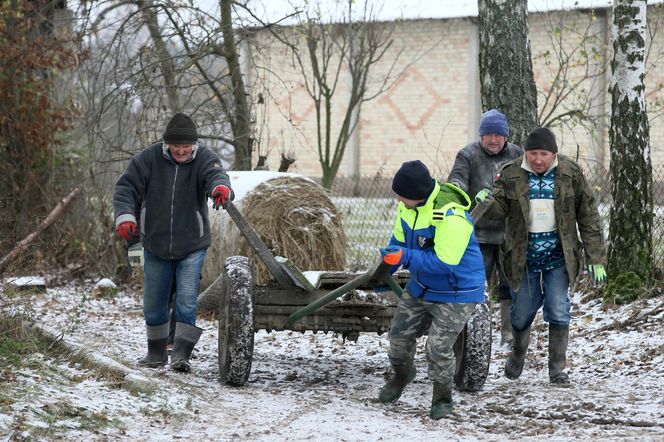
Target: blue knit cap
493 122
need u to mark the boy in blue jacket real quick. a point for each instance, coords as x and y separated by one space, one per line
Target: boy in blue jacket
433 238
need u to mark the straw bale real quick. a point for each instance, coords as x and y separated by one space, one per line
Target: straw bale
296 219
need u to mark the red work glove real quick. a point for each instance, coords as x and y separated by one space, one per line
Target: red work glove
126 229
220 195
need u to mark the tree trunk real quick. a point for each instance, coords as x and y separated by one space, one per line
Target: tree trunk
149 13
506 72
241 119
630 233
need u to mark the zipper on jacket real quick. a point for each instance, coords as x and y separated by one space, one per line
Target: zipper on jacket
412 231
175 177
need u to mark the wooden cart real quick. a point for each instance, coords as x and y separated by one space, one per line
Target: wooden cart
339 302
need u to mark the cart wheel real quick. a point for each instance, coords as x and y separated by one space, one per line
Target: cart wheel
473 351
236 322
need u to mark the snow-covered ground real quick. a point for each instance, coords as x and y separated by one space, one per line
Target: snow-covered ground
316 387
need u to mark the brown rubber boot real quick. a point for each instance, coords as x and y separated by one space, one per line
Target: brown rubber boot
514 364
505 323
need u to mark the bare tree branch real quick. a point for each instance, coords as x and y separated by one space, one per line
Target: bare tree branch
52 217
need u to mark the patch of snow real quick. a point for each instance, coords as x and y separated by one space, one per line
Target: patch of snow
307 386
21 281
244 182
313 276
106 283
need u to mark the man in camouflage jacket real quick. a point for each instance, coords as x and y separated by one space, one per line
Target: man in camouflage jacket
546 200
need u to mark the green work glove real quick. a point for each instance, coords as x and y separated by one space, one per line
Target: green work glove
598 271
483 196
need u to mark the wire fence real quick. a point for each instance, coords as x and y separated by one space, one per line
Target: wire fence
368 208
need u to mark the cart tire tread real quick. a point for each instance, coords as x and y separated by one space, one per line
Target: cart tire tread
236 322
473 351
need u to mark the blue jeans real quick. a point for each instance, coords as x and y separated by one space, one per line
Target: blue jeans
548 289
157 280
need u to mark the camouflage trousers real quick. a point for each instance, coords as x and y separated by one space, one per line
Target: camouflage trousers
444 321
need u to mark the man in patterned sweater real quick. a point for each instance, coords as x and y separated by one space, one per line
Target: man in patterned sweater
548 204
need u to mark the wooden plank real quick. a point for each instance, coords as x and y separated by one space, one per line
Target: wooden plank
342 312
328 280
252 237
317 323
332 280
301 298
295 274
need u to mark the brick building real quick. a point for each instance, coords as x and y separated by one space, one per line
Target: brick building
433 108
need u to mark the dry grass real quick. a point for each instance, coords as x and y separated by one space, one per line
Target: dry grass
295 217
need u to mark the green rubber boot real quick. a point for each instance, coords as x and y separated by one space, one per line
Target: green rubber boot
558 338
441 403
392 390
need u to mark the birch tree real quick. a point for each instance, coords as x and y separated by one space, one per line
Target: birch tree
631 218
506 70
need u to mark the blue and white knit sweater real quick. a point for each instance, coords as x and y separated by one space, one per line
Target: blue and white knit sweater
545 251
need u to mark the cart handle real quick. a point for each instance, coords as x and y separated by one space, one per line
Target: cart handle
378 274
280 275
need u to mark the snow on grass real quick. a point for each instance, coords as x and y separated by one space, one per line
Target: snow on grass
243 182
307 386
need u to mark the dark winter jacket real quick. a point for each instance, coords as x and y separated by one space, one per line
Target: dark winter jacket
574 207
171 199
445 261
475 169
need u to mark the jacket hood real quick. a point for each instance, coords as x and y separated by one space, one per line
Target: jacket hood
449 193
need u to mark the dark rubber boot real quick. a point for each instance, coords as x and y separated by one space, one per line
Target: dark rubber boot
505 322
171 333
441 403
514 364
157 340
186 337
173 320
558 338
392 390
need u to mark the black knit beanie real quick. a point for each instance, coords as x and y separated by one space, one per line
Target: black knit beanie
541 138
413 181
181 130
